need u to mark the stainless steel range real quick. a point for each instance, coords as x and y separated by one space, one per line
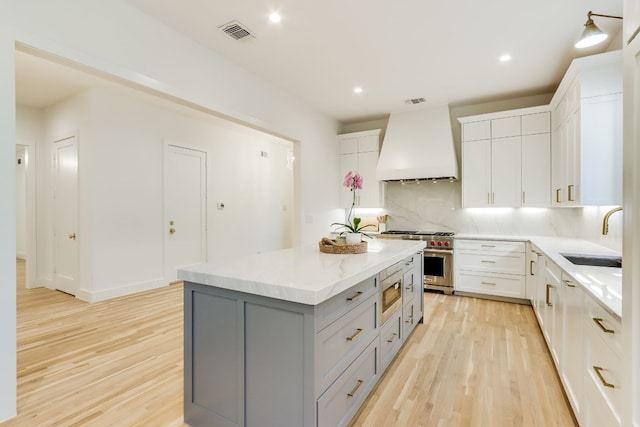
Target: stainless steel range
438 256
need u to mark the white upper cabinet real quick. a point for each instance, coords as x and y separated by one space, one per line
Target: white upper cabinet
506 158
359 152
587 133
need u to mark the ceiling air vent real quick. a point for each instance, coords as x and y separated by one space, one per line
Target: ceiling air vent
237 31
415 101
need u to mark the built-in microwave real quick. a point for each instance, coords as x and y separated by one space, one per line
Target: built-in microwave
391 290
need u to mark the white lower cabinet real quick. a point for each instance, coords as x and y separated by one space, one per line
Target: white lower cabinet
390 338
584 340
490 267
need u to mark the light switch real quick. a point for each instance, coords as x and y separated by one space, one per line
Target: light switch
220 206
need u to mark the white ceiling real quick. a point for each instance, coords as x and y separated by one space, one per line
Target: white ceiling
444 51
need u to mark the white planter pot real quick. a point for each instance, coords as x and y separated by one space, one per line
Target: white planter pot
353 238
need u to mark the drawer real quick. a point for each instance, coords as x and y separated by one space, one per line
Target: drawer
338 405
413 262
604 325
412 285
490 245
337 306
596 411
343 340
390 339
491 284
411 315
603 370
507 263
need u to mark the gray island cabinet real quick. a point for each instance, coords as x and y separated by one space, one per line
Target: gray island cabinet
293 337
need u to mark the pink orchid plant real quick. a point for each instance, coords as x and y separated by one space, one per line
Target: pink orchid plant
352 181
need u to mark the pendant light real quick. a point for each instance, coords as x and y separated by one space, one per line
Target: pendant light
592 35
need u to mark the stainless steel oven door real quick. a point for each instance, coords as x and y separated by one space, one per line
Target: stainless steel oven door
438 267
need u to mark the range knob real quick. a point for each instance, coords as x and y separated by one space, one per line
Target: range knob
432 243
446 243
439 243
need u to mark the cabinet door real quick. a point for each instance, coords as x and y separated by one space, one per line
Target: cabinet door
536 169
348 145
369 143
475 131
506 172
369 196
573 365
476 174
508 126
348 162
558 171
536 123
601 150
572 152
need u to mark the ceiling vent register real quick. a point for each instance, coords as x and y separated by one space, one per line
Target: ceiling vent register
415 101
237 31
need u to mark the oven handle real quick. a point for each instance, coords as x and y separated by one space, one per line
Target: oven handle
438 251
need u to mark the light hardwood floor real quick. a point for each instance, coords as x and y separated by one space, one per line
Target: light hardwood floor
119 363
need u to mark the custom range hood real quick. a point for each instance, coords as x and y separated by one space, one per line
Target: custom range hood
418 145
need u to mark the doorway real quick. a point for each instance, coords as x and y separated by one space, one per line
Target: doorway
185 208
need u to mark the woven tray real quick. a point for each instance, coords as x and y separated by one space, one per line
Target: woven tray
329 246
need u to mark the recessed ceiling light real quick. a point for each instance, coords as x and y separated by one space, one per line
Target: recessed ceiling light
505 58
357 90
275 17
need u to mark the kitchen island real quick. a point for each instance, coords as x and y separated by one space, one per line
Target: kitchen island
293 337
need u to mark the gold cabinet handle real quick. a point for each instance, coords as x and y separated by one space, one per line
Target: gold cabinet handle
172 230
599 370
493 198
487 246
356 389
354 336
72 236
570 193
531 267
558 195
523 198
547 297
409 319
569 283
488 198
488 261
606 330
358 294
488 283
409 288
393 338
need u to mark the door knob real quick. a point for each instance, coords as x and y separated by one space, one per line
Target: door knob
72 236
172 230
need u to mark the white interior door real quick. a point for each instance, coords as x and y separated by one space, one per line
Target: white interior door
65 205
185 188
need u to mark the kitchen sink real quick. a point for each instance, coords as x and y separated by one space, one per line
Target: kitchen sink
595 260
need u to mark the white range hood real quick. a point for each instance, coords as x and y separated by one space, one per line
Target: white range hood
418 145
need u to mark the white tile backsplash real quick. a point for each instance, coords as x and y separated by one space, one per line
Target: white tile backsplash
429 206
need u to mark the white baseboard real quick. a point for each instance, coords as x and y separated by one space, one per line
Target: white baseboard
131 288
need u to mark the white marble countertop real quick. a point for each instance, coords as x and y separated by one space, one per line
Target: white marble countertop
304 274
604 284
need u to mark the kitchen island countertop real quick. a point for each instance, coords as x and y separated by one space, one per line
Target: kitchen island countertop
303 274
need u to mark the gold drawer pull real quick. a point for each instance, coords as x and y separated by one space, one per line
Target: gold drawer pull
354 336
393 338
488 283
569 283
409 319
487 246
606 330
604 382
358 294
547 296
558 190
488 261
531 267
356 389
570 193
410 287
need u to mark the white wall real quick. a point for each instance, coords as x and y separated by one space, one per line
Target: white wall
116 39
7 229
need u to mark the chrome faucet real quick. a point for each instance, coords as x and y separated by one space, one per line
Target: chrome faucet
605 220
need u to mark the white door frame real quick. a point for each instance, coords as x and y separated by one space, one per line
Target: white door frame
31 231
168 144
